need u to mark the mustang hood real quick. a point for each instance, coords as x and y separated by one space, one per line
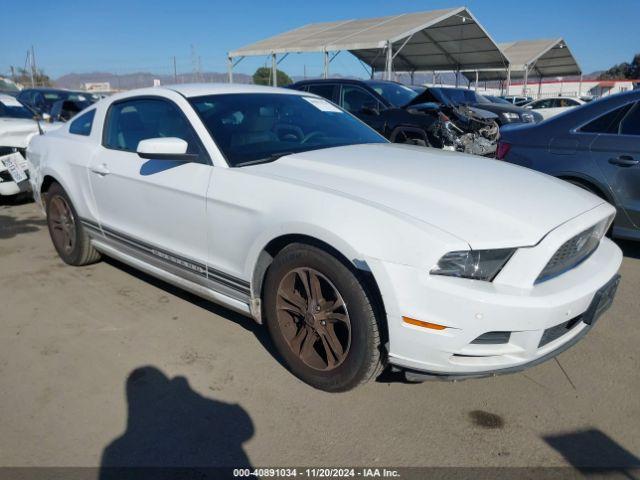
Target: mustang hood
487 203
16 132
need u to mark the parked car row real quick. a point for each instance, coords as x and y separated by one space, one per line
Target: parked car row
25 114
450 118
17 127
56 104
355 252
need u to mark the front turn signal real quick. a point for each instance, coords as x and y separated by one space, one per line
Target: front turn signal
420 323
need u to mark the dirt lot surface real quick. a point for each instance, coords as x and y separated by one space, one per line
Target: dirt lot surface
104 365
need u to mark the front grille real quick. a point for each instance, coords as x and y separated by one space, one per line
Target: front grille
553 333
572 253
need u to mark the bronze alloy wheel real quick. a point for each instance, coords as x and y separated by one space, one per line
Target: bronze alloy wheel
313 319
63 225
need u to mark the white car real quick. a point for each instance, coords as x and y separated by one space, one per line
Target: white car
17 126
549 107
355 252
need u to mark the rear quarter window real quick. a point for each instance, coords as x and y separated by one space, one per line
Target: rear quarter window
82 125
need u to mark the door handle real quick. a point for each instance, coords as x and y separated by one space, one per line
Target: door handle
624 161
101 170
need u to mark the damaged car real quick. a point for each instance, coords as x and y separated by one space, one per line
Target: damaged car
17 127
402 115
48 102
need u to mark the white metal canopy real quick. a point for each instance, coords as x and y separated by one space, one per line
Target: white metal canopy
541 58
438 40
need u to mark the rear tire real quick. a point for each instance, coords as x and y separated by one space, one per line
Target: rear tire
321 319
68 235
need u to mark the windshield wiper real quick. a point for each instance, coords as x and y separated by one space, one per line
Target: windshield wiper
269 159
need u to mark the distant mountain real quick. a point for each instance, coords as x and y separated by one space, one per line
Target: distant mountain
142 79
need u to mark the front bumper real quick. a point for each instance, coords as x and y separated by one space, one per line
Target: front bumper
533 315
7 185
582 324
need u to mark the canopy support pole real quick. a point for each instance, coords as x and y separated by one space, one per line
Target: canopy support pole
580 87
540 86
526 78
231 65
389 62
508 79
274 70
325 70
475 84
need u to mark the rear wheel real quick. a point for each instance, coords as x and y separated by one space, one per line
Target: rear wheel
69 237
321 319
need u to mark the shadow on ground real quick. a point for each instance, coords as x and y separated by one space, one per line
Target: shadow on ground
260 331
629 248
592 451
10 226
174 432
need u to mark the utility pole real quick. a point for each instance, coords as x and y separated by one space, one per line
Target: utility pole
175 71
13 73
28 67
34 71
194 63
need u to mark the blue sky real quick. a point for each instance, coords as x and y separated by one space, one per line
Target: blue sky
124 36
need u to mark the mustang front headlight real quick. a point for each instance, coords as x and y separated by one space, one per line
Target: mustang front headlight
474 264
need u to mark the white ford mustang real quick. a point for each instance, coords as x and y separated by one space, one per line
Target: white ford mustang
355 252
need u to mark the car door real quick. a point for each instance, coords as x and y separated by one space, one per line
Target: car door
359 102
616 150
151 208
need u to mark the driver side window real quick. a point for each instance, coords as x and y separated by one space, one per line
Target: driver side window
354 99
131 121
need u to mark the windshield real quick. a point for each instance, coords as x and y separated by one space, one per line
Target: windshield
497 99
260 127
53 96
394 93
12 108
460 96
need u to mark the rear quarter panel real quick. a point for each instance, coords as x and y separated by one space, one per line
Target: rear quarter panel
65 158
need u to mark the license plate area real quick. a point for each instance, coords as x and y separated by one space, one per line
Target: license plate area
12 163
601 301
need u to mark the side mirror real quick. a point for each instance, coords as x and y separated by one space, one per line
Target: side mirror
47 118
168 148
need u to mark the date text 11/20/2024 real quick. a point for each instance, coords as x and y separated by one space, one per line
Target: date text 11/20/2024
317 472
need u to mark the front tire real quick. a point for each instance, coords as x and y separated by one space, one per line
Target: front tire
69 237
321 319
